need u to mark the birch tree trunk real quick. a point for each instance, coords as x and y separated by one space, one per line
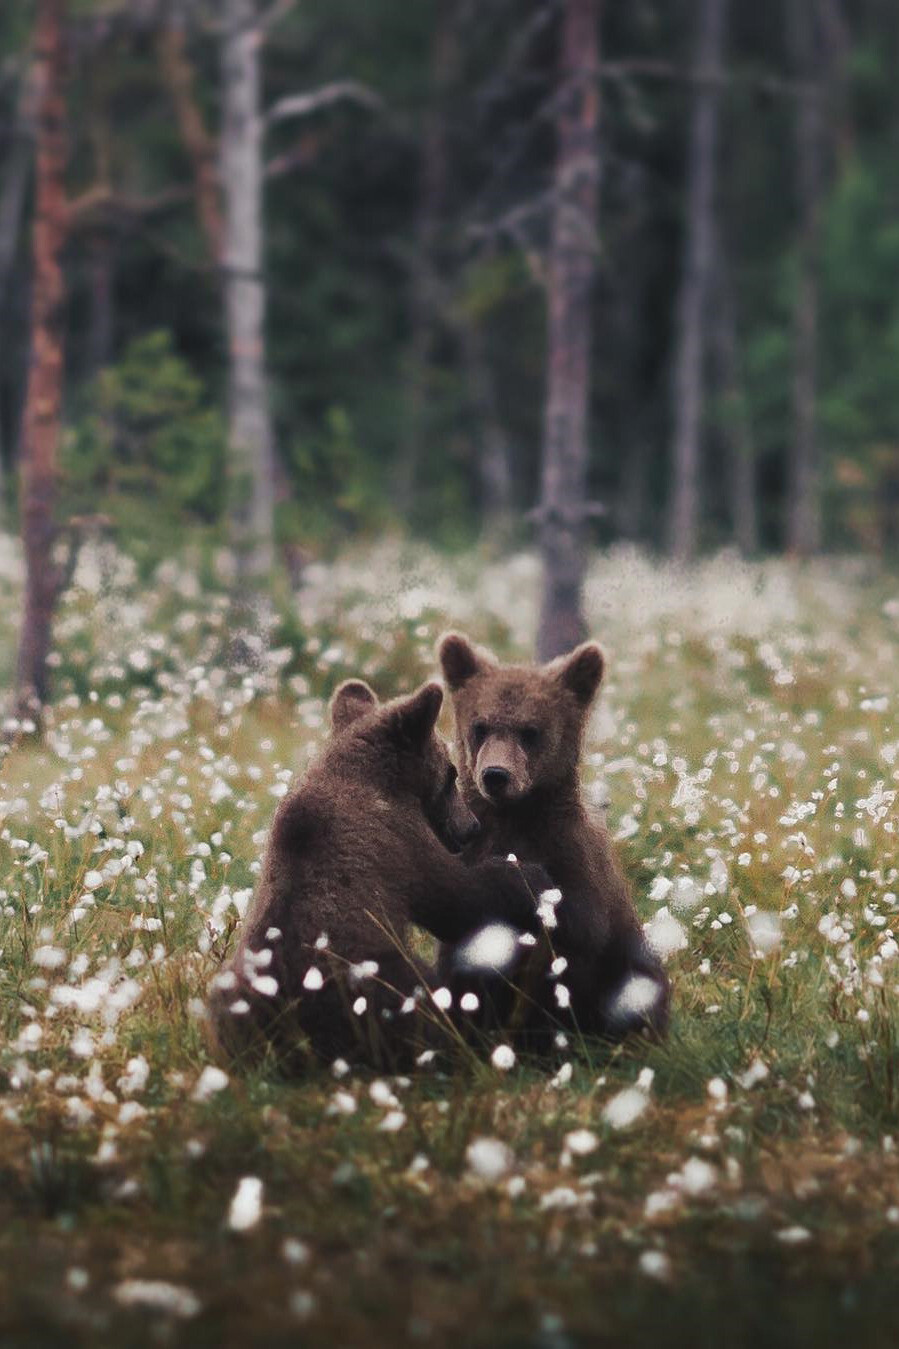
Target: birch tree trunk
572 264
249 430
692 301
43 405
804 521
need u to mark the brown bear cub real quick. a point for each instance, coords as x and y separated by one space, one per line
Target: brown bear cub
358 850
519 736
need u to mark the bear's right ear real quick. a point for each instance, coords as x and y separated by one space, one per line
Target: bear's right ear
458 660
352 699
413 719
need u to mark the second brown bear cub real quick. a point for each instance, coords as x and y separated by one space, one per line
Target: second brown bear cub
519 736
358 850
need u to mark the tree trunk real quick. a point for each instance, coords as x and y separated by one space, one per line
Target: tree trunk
688 374
734 413
16 174
43 406
433 178
572 264
494 457
249 432
179 77
804 523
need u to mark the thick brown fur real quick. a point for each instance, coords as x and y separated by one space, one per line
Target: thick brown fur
356 854
519 737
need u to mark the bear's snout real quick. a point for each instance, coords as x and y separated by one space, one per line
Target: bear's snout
501 771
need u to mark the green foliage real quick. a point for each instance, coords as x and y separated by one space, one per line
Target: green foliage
335 491
148 438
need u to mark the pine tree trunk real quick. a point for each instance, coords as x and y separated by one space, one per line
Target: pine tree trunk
250 434
688 374
43 406
572 264
804 523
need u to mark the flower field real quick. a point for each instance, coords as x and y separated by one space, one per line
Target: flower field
738 1182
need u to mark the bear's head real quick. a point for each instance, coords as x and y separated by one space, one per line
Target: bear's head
397 745
518 727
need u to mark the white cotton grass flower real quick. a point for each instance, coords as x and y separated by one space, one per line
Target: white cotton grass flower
793 1236
392 1122
665 934
625 1108
685 893
756 1072
313 979
245 1209
489 1159
442 998
211 1081
469 1002
581 1142
637 997
547 903
695 1177
655 1265
493 947
503 1058
157 1295
765 932
49 957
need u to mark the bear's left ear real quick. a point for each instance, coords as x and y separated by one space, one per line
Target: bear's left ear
352 699
580 672
413 719
459 661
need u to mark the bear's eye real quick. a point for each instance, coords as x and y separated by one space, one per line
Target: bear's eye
530 736
478 733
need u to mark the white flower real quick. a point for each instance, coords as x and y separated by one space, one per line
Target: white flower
755 1073
313 979
625 1108
392 1122
443 999
764 932
246 1205
793 1236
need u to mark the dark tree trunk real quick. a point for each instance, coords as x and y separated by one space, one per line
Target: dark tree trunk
16 175
201 150
572 265
43 407
494 457
804 521
433 180
734 413
691 309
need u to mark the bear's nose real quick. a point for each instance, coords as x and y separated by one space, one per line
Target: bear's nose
495 781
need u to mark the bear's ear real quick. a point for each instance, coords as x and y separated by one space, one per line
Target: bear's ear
458 660
352 699
413 719
580 672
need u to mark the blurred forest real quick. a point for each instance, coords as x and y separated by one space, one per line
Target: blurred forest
527 268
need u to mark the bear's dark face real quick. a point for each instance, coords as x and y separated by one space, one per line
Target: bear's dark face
518 728
400 737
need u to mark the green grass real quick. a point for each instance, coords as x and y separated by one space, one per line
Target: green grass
748 718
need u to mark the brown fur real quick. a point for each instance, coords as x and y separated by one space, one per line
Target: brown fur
357 852
519 735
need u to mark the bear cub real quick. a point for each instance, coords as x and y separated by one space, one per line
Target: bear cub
358 851
519 739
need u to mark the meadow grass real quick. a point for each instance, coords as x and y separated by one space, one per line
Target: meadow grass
746 750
